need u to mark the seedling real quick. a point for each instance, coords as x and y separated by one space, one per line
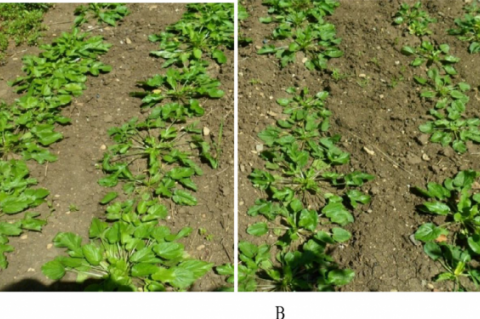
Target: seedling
133 253
204 30
337 75
414 19
302 23
456 242
73 208
468 28
430 55
242 16
109 13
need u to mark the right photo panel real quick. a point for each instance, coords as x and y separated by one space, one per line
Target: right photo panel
358 145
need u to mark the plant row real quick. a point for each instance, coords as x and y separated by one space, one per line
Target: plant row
154 159
28 125
306 199
455 241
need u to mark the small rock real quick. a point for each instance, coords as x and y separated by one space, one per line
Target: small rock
108 118
425 157
242 168
362 75
413 159
103 147
128 41
57 196
201 247
206 131
241 203
447 152
422 139
30 270
381 96
430 286
49 246
369 211
369 151
304 60
259 147
24 236
397 62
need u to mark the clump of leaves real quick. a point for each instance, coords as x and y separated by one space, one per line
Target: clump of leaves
180 86
306 269
229 271
205 29
429 54
456 242
17 196
302 23
130 252
414 19
317 42
163 149
109 13
468 28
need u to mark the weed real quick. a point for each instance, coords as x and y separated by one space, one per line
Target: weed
416 20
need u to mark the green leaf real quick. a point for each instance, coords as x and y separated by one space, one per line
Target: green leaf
67 240
184 198
338 213
13 229
474 243
258 229
340 277
437 208
429 232
108 198
340 235
433 250
169 250
53 270
308 219
219 56
93 254
143 270
97 227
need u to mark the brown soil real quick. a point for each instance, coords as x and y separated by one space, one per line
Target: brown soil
367 114
105 103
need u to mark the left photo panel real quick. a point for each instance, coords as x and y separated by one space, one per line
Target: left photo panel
116 147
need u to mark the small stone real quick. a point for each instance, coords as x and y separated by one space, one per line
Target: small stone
67 213
241 203
108 118
206 131
242 168
103 147
49 246
381 96
24 236
425 157
128 41
430 286
57 196
394 290
304 60
259 147
369 211
201 247
397 62
422 139
30 270
272 114
369 151
413 159
362 75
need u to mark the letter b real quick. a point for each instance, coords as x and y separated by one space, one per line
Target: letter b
280 312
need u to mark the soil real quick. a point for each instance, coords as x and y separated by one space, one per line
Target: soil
369 113
106 103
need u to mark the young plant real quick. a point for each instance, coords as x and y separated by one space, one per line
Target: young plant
130 252
429 54
180 86
414 19
108 13
456 242
468 28
205 29
302 23
317 42
242 16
